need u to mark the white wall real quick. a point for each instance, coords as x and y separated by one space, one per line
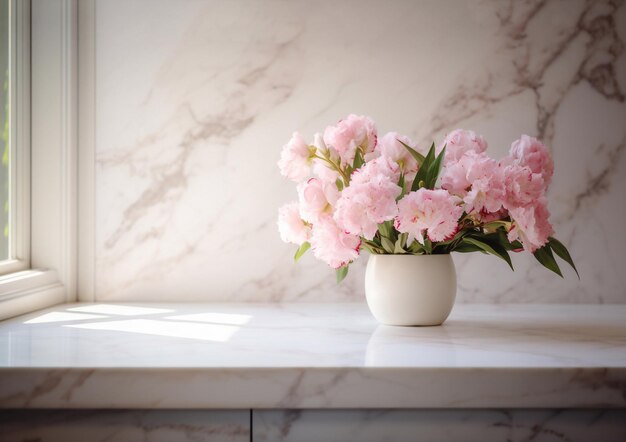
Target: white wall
194 100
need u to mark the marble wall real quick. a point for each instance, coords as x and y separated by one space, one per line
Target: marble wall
195 99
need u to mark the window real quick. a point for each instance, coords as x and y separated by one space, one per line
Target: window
38 143
5 128
14 224
14 137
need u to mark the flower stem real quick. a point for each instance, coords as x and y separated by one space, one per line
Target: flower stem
336 167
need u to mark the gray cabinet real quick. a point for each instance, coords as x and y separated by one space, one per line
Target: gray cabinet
124 425
439 425
397 425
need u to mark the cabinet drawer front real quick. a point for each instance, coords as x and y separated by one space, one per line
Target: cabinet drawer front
438 425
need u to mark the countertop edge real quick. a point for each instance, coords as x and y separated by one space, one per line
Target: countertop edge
312 387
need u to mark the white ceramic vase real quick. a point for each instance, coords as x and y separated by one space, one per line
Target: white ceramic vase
410 289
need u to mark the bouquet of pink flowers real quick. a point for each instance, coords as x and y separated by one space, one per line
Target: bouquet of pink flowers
387 196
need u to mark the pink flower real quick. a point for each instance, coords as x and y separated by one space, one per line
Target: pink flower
433 211
320 167
381 166
295 159
485 196
332 245
455 176
325 173
523 187
316 198
459 142
352 133
366 203
487 192
291 227
478 179
390 147
494 216
529 151
531 225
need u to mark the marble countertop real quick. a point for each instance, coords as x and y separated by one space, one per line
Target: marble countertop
156 355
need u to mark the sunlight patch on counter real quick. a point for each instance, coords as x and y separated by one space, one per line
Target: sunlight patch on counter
188 330
61 317
122 310
214 318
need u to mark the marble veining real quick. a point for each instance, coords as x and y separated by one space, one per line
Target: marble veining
189 132
195 100
311 355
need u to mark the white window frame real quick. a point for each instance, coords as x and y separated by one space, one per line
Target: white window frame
19 131
47 255
86 269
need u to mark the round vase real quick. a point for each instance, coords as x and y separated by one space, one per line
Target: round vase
410 290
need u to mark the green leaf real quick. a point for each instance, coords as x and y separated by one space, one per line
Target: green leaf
450 244
367 248
546 258
358 160
434 170
301 250
422 172
496 224
375 248
386 229
403 238
416 248
388 245
393 233
341 273
430 156
339 184
383 228
458 235
415 154
496 250
416 183
467 248
493 239
402 185
419 177
401 180
504 241
397 249
562 252
498 239
428 246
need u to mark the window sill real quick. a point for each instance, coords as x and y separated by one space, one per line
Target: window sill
29 290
